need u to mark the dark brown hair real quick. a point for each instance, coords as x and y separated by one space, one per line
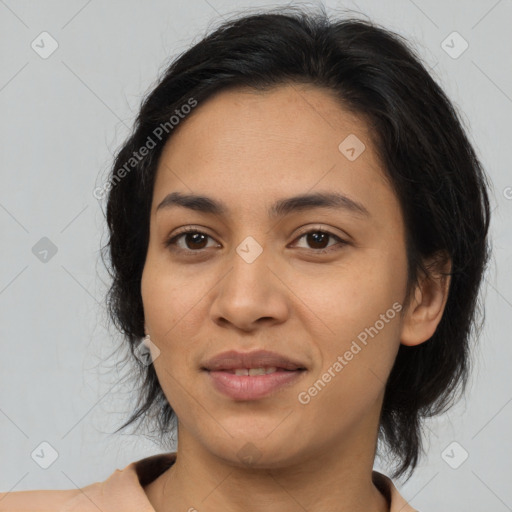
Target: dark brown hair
422 144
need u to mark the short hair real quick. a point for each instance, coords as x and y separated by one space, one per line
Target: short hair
426 155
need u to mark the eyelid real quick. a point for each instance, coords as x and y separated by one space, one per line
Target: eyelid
341 242
324 229
171 240
188 229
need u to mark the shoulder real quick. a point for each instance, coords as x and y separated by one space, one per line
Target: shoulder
36 501
122 490
98 495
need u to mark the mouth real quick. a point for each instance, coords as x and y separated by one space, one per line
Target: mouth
255 360
246 384
252 375
252 372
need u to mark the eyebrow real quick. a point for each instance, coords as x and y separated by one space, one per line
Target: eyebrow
280 208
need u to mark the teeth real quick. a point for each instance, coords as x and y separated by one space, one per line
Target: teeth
254 371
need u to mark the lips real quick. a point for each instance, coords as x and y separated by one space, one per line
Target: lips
233 360
252 375
247 388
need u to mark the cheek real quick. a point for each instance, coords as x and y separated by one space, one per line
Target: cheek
355 362
167 297
172 310
361 308
353 297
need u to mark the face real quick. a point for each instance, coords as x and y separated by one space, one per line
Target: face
320 285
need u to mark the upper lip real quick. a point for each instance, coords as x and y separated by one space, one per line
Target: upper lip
232 359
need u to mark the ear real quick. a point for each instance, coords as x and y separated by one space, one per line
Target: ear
427 302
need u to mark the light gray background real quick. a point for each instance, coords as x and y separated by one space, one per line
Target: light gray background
62 119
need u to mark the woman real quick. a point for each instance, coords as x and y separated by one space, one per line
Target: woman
298 230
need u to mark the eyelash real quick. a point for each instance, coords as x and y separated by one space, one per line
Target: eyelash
173 239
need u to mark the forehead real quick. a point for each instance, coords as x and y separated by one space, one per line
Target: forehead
297 115
248 143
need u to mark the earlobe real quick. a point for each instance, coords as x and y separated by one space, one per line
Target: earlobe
428 303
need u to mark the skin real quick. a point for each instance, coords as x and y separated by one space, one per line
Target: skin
249 149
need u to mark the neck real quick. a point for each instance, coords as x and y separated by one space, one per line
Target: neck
329 479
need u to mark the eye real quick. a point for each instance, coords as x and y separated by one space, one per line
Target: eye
192 237
195 240
318 237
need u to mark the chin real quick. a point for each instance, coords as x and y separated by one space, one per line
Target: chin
246 451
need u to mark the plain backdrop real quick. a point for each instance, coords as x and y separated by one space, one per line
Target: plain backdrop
63 117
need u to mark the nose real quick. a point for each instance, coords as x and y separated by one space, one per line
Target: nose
251 293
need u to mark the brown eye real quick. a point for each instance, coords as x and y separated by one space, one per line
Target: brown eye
196 240
318 240
193 240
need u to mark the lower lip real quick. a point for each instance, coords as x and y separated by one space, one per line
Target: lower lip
246 387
